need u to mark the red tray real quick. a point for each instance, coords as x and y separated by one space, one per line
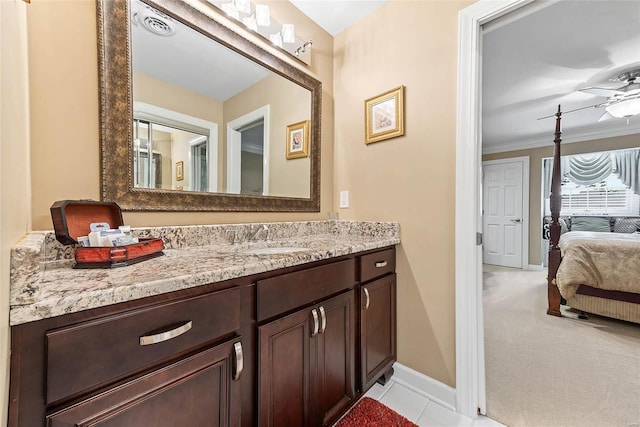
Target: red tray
72 219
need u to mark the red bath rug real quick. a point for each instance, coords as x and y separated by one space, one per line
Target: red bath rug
371 413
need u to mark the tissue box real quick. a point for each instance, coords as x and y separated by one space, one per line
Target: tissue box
72 219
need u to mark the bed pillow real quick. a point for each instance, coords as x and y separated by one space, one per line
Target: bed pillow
590 223
563 226
626 225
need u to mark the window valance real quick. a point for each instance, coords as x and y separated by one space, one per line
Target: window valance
627 166
587 169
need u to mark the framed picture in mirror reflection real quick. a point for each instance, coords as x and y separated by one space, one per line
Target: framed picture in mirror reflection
179 170
298 140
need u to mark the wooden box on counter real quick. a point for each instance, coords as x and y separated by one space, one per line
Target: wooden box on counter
73 218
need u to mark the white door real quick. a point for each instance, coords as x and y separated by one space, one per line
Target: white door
502 220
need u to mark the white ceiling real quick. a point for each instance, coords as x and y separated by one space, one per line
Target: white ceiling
336 16
534 63
190 60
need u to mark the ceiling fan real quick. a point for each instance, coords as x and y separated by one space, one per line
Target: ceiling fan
623 101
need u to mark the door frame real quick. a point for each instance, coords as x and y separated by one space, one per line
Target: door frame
470 366
153 111
234 149
524 251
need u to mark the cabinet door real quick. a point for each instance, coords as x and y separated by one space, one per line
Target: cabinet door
377 329
334 378
283 370
199 390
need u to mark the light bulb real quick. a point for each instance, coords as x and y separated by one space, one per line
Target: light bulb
276 39
288 33
250 22
262 15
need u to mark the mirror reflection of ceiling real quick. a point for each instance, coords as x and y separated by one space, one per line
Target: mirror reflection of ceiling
533 63
188 59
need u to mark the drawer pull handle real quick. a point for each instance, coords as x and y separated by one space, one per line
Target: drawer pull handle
381 264
314 314
165 336
366 294
323 316
237 347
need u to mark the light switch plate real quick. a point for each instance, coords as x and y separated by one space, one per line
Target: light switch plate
344 199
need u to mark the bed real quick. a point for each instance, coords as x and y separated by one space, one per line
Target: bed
595 272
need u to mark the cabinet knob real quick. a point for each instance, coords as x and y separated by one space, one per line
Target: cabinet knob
368 300
239 357
381 264
314 314
166 336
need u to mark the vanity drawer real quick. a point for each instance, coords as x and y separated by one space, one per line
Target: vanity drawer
89 355
284 293
377 264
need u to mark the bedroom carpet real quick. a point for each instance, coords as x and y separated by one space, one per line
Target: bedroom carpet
547 371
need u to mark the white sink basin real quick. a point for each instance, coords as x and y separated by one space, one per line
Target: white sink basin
273 250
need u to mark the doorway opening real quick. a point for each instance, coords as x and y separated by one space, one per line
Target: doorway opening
469 311
252 158
199 164
248 153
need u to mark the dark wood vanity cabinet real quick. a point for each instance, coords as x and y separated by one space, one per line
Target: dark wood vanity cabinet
293 347
306 365
162 361
198 390
377 317
306 361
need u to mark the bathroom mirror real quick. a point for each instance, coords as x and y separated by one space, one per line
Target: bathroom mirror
195 117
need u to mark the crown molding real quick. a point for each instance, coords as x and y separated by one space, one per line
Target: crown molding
538 142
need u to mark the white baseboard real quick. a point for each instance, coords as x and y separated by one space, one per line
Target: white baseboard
535 267
436 391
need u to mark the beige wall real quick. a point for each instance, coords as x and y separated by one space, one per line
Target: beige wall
288 104
165 95
535 175
65 121
410 179
14 162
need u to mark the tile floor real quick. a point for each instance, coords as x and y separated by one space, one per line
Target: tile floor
418 408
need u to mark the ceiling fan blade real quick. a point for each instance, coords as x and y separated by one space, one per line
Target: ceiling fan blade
600 91
574 110
604 117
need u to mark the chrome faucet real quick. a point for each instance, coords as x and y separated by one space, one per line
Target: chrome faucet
254 230
234 236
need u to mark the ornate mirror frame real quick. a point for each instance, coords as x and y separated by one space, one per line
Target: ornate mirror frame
116 116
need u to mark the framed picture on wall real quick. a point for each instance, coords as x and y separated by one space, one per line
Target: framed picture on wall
298 140
384 116
179 170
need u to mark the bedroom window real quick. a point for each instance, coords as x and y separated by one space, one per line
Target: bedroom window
606 197
604 183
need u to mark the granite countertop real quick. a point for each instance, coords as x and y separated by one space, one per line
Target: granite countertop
44 284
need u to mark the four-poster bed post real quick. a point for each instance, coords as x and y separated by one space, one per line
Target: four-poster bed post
553 293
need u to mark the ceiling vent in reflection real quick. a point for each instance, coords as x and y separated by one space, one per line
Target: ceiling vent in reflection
155 22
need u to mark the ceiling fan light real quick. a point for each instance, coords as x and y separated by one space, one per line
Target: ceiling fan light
626 108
